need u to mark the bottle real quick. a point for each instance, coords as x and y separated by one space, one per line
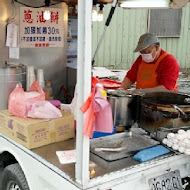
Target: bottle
48 91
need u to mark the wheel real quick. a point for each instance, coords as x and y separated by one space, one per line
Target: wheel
186 183
13 178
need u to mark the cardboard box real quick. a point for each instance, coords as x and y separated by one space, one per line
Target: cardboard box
33 133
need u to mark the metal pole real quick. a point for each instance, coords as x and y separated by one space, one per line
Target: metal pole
105 28
83 87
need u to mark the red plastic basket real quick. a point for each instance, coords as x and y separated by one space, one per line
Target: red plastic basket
110 84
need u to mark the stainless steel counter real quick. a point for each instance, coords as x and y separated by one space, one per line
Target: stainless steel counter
98 166
48 152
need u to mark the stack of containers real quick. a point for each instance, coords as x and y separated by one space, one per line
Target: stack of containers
30 78
40 78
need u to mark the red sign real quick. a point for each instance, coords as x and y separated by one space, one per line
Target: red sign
35 31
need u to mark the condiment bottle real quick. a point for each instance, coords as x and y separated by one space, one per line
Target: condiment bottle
48 91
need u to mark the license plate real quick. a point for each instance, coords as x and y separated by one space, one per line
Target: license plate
168 181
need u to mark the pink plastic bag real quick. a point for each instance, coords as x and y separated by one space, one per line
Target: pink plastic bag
43 110
18 100
98 113
36 87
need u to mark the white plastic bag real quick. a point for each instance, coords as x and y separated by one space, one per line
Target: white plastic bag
72 107
74 103
43 110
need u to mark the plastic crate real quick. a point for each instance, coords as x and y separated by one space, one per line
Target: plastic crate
101 134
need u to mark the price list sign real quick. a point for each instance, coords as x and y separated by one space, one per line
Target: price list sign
36 32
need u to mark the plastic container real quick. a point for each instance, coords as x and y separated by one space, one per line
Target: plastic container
110 84
101 134
40 77
48 91
56 103
66 107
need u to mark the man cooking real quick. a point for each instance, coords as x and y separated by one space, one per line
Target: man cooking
154 68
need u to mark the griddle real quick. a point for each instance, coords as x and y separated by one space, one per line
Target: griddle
133 144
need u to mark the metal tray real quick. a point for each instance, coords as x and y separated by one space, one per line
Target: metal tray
133 144
162 132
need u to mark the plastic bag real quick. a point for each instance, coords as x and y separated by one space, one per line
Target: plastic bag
97 111
36 87
73 104
18 100
43 110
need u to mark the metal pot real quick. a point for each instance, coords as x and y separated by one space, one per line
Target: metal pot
164 109
10 75
123 107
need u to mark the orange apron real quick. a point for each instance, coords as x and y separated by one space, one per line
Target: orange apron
147 76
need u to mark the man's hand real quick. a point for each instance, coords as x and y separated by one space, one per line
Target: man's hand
126 83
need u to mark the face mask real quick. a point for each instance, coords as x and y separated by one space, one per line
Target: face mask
148 57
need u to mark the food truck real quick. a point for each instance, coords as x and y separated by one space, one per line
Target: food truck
26 166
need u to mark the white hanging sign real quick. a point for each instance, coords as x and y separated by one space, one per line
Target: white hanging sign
14 53
12 33
35 31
